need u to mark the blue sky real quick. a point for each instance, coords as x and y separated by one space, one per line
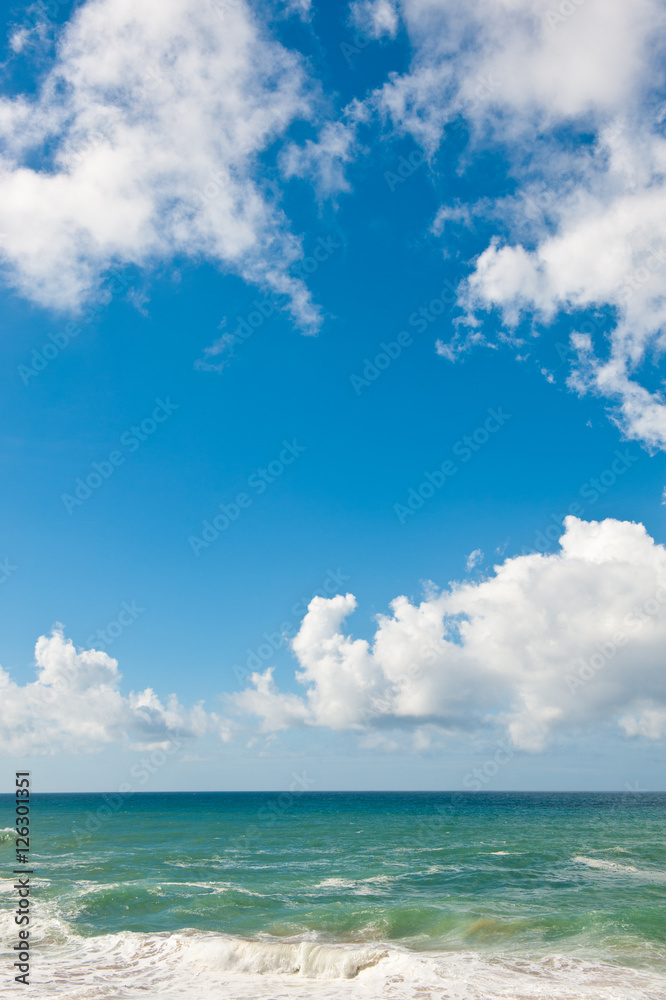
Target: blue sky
436 265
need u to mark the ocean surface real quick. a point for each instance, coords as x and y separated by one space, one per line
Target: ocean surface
327 895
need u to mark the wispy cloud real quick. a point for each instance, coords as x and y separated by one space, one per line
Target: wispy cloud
595 69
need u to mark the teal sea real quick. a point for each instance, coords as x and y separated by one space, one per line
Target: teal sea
447 895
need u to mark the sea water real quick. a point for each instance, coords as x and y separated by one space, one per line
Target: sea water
419 895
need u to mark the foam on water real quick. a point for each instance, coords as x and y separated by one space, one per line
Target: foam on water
335 883
216 888
304 906
361 886
613 867
197 964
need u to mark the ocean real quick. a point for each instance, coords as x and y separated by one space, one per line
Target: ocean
326 895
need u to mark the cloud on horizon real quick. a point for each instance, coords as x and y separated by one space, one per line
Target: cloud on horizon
549 646
75 706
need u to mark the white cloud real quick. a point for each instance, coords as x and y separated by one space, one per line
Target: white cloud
474 558
649 722
376 18
549 645
280 711
301 7
149 127
488 56
323 162
517 70
75 706
608 249
19 39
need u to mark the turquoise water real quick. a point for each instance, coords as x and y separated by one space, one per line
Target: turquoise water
320 884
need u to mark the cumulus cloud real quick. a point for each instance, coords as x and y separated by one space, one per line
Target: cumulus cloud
546 647
549 645
75 706
143 143
529 76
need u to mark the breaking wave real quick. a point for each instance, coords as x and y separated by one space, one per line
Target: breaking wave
204 964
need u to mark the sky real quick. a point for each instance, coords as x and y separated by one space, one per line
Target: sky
333 416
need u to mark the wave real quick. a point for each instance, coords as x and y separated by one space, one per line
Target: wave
217 888
203 965
613 867
358 887
335 883
364 886
305 958
7 833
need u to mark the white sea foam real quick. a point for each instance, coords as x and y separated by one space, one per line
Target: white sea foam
611 866
335 883
361 886
218 888
203 965
646 874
